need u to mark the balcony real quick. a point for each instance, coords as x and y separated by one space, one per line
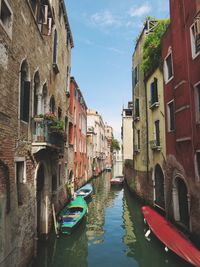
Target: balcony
136 149
155 145
44 136
136 118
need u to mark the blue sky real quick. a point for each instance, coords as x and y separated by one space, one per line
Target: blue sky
104 33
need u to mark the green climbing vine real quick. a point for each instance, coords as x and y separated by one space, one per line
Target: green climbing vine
152 47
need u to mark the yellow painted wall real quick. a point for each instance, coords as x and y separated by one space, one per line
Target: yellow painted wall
156 113
140 158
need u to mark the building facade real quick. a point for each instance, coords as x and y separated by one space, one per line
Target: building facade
35 51
127 132
78 135
96 127
156 135
180 51
139 169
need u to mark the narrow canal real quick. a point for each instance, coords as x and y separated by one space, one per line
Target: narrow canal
112 234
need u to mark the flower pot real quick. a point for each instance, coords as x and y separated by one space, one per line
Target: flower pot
38 119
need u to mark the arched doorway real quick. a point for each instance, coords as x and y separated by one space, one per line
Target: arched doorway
40 198
181 202
159 187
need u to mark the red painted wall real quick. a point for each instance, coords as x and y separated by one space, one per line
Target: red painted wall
78 109
181 87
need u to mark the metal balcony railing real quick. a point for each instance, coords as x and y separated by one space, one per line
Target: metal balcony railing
155 145
44 135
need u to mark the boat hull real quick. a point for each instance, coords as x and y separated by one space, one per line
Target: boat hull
171 236
85 191
71 215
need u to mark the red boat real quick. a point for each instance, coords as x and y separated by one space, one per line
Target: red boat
117 180
171 237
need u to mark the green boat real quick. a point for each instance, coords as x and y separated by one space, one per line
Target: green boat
71 215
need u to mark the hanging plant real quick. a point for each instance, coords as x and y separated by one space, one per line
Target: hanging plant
152 47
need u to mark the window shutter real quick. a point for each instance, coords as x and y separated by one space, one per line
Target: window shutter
46 28
133 78
26 101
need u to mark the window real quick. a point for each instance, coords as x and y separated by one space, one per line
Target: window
74 115
55 52
55 44
52 104
198 163
170 116
6 17
154 91
168 68
138 137
24 93
157 129
197 98
135 76
137 108
128 113
20 170
42 14
36 92
195 38
44 99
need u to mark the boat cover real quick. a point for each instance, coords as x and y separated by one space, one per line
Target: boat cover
171 236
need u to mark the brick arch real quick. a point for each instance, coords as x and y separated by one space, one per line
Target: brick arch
5 181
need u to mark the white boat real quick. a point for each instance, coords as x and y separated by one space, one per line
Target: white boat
85 191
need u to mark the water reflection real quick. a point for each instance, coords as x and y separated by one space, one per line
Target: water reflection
111 235
147 253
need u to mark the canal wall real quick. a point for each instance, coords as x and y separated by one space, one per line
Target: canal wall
138 182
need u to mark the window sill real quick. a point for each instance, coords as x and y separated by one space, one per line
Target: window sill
169 80
154 105
194 56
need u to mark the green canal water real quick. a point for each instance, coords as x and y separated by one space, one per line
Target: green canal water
111 235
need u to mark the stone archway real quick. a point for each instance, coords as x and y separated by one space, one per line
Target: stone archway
180 202
159 187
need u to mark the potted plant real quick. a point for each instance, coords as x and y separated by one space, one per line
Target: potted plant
38 118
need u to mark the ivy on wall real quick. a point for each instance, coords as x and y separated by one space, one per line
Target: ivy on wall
152 47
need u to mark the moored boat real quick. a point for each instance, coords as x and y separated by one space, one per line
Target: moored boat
108 168
171 237
85 191
71 215
117 180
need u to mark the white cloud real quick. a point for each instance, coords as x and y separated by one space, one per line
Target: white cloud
105 18
88 42
140 11
113 49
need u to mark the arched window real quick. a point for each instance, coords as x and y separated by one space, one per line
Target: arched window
44 98
24 92
36 86
52 104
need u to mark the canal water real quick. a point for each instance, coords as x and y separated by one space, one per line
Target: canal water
111 235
